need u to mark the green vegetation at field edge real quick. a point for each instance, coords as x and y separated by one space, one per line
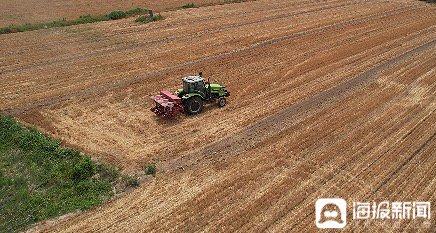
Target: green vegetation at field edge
189 5
149 19
40 179
114 15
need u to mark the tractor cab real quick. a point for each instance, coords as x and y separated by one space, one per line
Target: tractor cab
194 84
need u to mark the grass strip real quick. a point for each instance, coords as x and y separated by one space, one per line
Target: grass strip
114 15
40 179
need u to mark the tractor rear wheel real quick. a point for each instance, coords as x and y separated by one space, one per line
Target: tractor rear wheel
194 105
222 102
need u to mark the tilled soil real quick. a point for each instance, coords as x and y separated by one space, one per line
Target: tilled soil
328 99
37 11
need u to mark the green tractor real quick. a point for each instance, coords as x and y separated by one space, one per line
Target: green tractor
196 92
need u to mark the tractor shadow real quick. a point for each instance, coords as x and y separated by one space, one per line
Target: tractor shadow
210 107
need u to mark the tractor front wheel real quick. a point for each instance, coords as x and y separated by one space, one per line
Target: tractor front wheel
194 105
222 102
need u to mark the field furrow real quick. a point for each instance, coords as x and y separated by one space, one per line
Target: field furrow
328 99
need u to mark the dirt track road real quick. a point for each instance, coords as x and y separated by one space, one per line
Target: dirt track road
331 99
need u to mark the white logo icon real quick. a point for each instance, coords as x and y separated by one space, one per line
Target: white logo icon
331 213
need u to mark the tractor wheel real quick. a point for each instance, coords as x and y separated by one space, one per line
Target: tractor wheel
194 105
222 102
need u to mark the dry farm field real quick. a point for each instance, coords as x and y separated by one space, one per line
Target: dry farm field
329 98
37 11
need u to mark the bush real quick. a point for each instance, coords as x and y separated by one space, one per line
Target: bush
83 170
89 19
189 5
150 169
132 182
148 19
142 19
136 11
85 187
117 15
233 1
107 172
5 30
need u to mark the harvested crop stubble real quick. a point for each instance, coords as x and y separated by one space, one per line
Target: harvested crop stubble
328 99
